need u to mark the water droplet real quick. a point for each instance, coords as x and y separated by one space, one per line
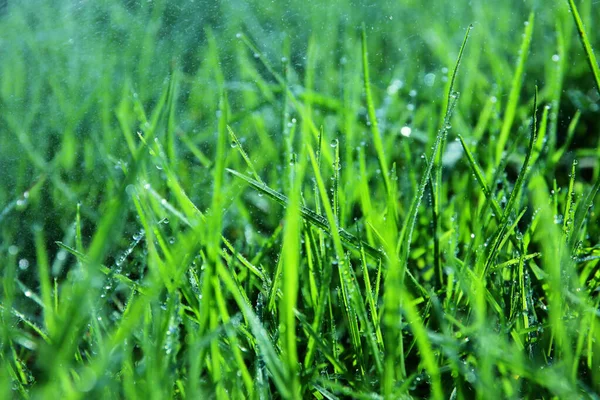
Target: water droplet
405 131
555 58
334 143
558 219
393 88
519 235
429 79
23 263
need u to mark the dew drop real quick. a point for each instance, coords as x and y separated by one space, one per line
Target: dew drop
23 263
429 79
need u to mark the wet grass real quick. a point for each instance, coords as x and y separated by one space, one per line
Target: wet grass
246 200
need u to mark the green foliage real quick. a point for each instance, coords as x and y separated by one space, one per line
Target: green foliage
205 199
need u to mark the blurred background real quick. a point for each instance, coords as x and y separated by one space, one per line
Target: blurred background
79 79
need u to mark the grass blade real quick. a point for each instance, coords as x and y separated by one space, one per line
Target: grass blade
317 220
290 275
589 52
377 142
436 185
515 89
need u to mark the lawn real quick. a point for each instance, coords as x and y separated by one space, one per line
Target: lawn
250 199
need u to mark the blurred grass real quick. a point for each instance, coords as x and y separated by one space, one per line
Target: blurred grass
320 273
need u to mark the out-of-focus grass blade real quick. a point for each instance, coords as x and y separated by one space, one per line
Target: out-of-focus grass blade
290 278
377 142
282 82
555 158
44 277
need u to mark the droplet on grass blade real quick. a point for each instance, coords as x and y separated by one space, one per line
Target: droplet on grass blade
429 79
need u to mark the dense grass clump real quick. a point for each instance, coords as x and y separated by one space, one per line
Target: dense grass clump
251 199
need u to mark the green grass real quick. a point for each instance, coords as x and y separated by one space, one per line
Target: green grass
205 199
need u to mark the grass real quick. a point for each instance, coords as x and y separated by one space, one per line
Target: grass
250 200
